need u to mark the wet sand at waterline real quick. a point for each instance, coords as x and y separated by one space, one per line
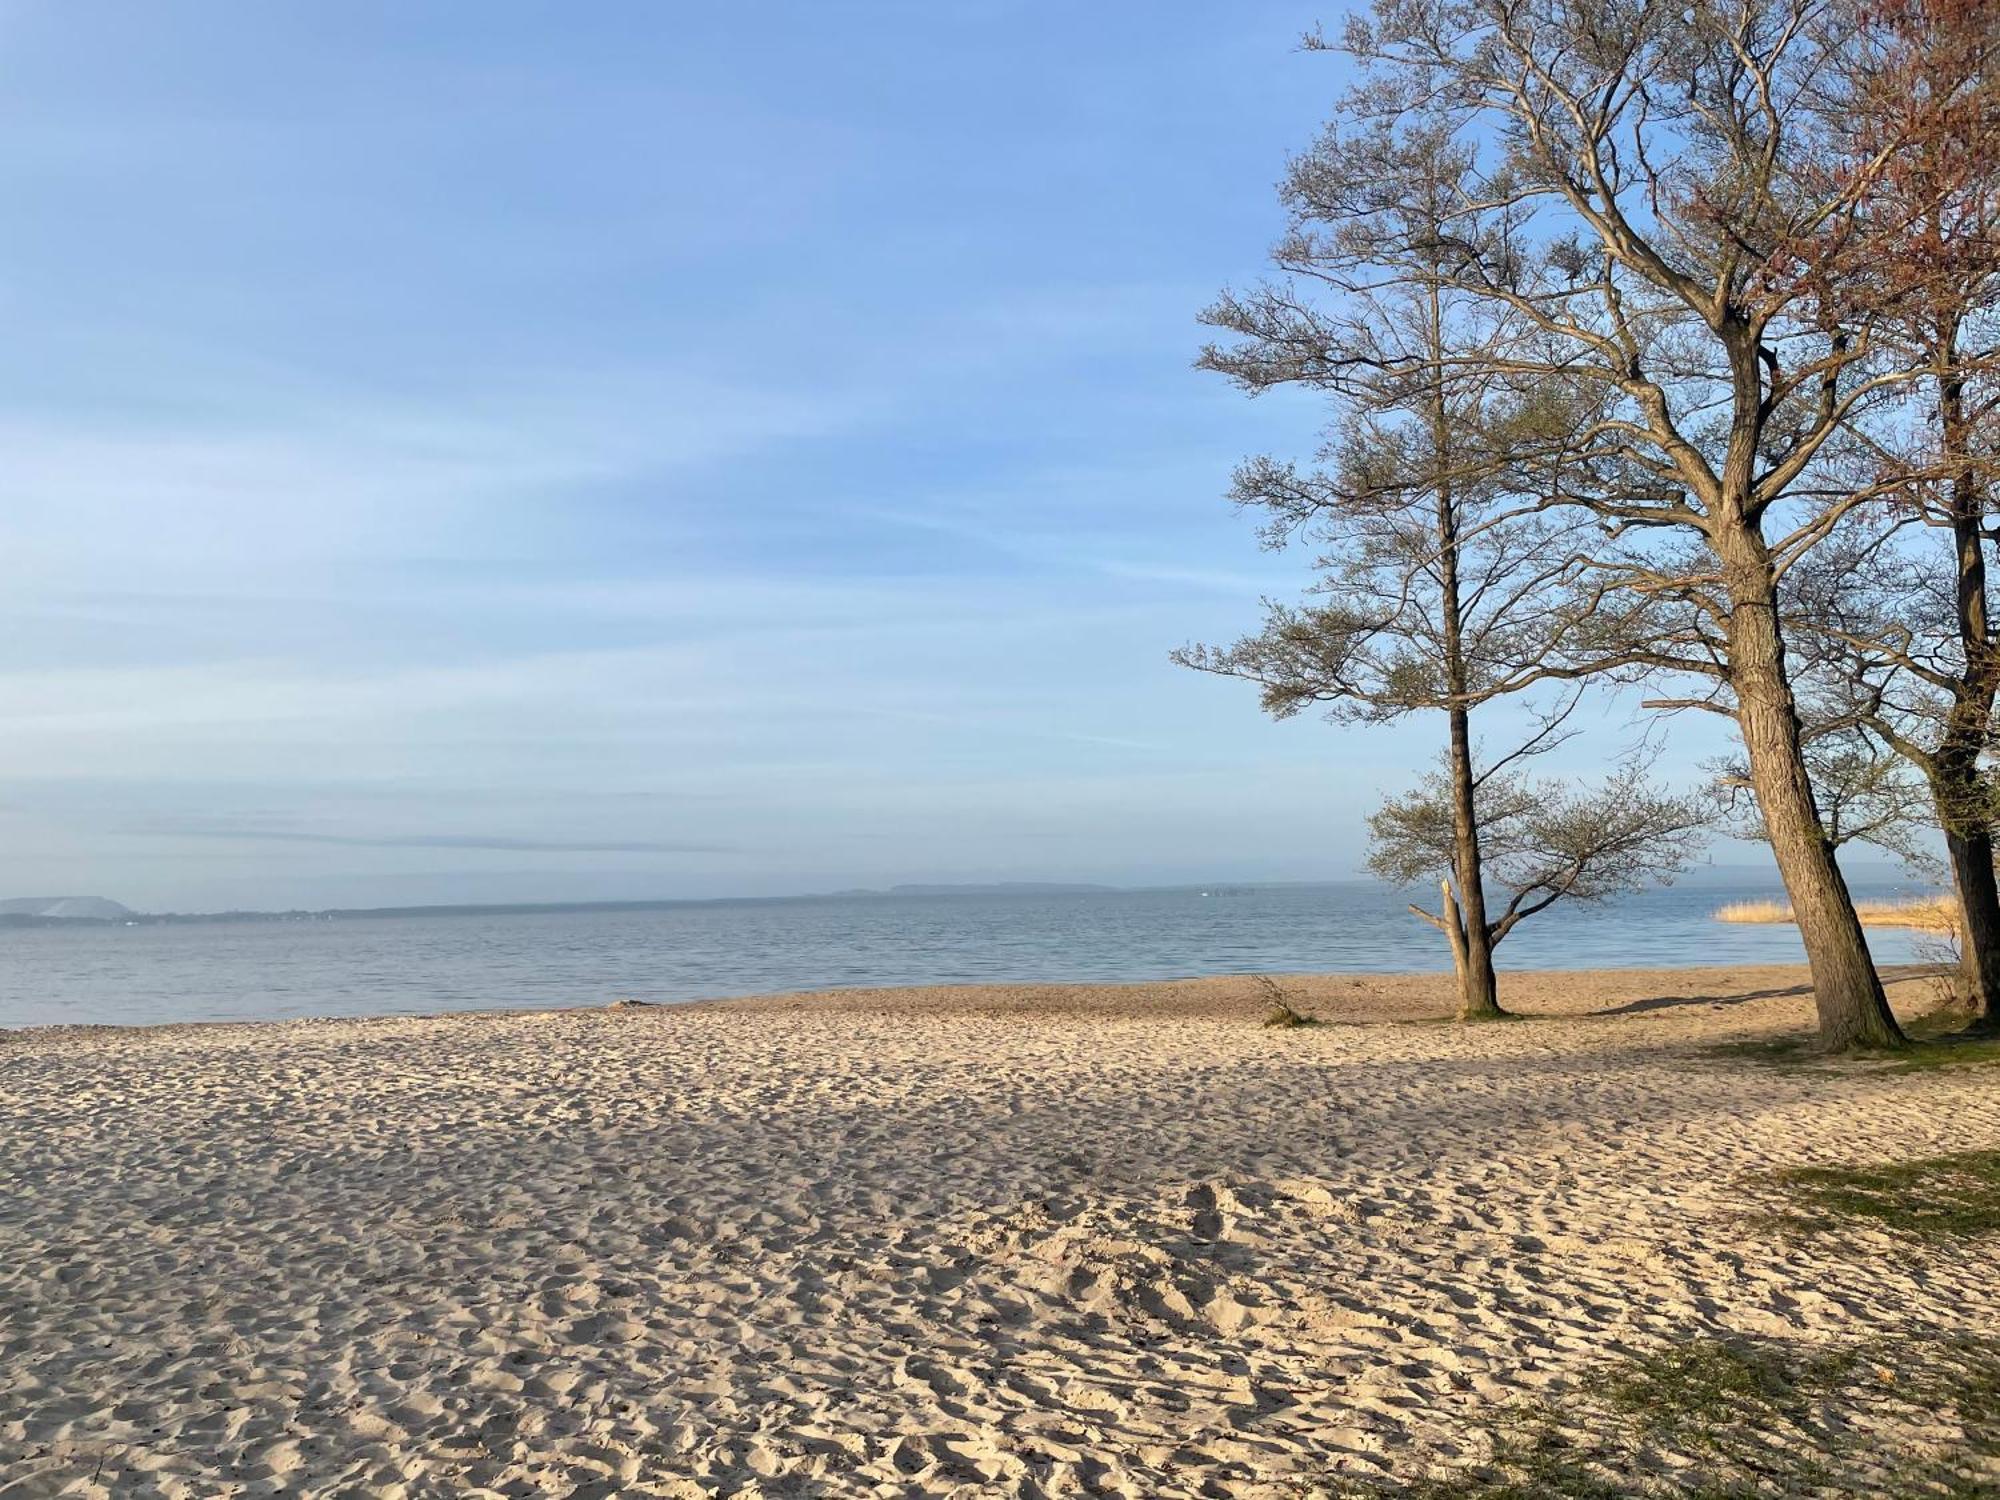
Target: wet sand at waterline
1018 1241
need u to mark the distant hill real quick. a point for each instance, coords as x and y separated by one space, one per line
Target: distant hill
998 888
66 909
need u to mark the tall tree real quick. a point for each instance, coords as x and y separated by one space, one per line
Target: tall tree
1637 203
1443 586
1913 110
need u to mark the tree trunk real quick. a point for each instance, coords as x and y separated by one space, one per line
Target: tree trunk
1478 986
1853 1011
1979 921
1964 808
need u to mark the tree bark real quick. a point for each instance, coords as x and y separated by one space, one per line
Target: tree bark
1478 986
1454 927
1853 1011
1956 783
1979 921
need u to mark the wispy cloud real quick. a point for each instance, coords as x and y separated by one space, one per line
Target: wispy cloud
1237 584
413 449
430 841
301 475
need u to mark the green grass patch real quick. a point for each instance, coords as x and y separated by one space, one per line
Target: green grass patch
1534 1468
1947 1052
1736 1417
1695 1387
1934 1044
1968 1389
1935 1024
1934 1197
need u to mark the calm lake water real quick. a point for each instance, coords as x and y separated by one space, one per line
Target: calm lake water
146 975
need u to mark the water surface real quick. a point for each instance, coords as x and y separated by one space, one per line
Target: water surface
214 971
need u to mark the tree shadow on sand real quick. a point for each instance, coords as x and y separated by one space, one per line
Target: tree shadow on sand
1675 1002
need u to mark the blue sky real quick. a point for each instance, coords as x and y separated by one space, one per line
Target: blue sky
542 452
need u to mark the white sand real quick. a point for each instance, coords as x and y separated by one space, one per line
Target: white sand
981 1242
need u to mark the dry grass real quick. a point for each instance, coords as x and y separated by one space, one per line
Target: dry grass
1283 1014
1754 911
1924 913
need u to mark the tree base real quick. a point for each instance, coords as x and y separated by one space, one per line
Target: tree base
1495 1013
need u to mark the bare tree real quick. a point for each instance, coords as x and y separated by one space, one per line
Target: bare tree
1637 205
1543 841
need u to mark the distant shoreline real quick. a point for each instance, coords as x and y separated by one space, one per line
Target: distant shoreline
670 903
1714 873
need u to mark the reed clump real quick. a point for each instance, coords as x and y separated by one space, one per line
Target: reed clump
1923 913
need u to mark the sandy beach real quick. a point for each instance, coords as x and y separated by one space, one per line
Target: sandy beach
1015 1242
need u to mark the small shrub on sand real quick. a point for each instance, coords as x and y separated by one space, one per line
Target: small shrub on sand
1282 1016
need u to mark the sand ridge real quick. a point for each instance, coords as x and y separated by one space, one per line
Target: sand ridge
1021 1241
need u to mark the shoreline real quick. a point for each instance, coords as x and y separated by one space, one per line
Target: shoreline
1303 985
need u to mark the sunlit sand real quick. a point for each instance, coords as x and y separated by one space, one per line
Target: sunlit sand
1029 1241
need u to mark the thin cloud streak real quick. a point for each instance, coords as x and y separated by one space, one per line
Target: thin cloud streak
433 841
